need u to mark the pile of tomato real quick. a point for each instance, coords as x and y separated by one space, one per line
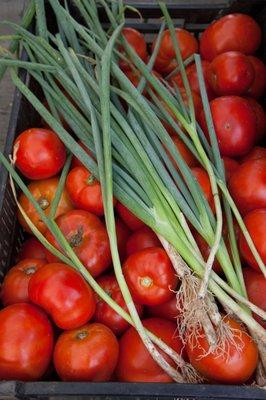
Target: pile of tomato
53 323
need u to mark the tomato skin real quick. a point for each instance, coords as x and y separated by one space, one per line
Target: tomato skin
26 342
255 222
135 364
256 290
89 354
141 239
260 119
122 235
234 123
166 59
248 185
233 32
39 153
150 276
135 77
205 250
258 86
133 222
64 294
230 166
256 153
32 248
236 367
188 157
136 40
44 192
75 161
203 180
167 310
104 314
88 236
230 73
16 281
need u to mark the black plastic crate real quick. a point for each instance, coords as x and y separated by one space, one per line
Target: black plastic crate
193 15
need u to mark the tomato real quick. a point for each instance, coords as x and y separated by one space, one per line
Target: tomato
230 166
248 185
87 236
44 192
203 180
135 363
122 235
194 81
167 310
128 217
234 123
185 153
64 294
142 239
88 354
135 76
260 118
150 276
104 313
235 365
230 73
137 41
32 248
233 32
39 153
75 161
26 342
165 61
256 153
256 290
205 250
255 222
258 86
16 281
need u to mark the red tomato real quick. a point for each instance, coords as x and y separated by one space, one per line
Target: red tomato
205 251
122 235
167 310
128 217
142 239
260 118
166 59
16 281
248 185
204 182
75 161
255 222
135 364
104 313
39 153
64 294
230 166
258 86
26 342
87 236
235 125
150 276
230 73
185 153
256 153
32 248
136 40
233 366
44 192
233 32
194 81
135 76
88 354
256 290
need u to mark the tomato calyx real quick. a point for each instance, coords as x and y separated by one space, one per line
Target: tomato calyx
30 270
43 203
90 180
76 239
146 281
82 335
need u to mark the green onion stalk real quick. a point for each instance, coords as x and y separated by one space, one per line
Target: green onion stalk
130 151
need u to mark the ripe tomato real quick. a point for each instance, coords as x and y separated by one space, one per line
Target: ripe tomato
233 32
203 180
235 125
136 40
256 153
16 281
230 73
26 342
88 354
75 161
235 365
64 294
39 153
87 236
32 248
135 363
255 222
122 235
258 86
260 119
205 251
104 313
135 76
128 217
166 59
185 153
256 290
230 167
85 191
150 276
44 192
142 239
167 310
248 185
